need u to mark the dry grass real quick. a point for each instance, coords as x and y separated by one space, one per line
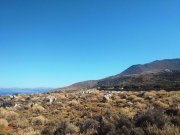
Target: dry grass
3 123
27 131
160 104
148 94
38 109
8 115
39 120
140 106
77 108
20 122
167 130
128 112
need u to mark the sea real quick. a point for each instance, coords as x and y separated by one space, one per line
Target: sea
12 91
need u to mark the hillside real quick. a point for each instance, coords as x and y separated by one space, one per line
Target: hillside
154 73
148 81
80 86
152 67
92 113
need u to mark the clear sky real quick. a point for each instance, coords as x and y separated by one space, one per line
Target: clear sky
53 43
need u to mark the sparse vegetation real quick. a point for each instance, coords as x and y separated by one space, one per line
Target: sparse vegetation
86 113
36 121
3 123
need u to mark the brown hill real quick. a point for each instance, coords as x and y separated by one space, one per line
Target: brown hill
80 86
154 73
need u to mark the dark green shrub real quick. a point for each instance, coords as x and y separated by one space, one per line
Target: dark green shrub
123 131
45 132
105 127
123 126
137 131
89 125
123 122
175 121
173 112
152 117
66 128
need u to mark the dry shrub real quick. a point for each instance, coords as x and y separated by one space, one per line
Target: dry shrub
166 130
140 105
122 95
138 99
89 126
103 105
160 104
55 112
137 131
162 93
123 125
151 117
3 113
12 116
66 128
175 97
177 106
60 96
167 100
127 112
20 122
175 120
115 97
95 109
131 97
123 101
3 123
86 115
105 128
60 104
94 99
38 109
9 115
40 120
45 131
73 103
27 131
119 104
173 112
134 98
148 94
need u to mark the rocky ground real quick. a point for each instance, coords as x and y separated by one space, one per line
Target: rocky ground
91 112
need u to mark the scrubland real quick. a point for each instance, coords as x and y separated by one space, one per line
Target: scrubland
91 112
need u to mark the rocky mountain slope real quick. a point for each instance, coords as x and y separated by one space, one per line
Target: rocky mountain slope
169 80
80 86
159 71
152 67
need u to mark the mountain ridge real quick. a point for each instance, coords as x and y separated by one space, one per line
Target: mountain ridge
139 70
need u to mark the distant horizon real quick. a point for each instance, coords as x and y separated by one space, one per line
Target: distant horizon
26 88
79 81
58 43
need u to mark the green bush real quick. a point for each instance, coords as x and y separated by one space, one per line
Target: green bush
151 117
66 128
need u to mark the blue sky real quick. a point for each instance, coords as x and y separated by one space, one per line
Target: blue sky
53 43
